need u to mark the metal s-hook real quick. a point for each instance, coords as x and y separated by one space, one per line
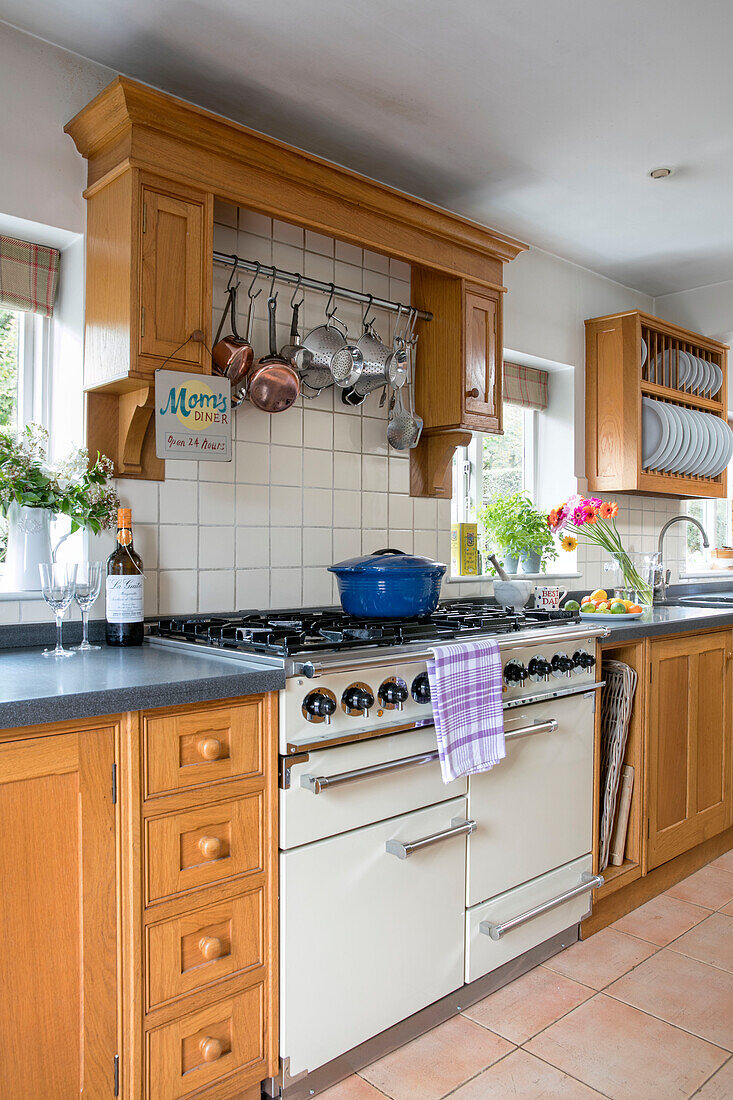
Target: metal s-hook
330 311
365 322
295 293
273 292
231 278
255 277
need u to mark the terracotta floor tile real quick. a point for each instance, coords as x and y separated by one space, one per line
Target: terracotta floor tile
521 1076
529 1004
720 1086
353 1088
661 920
684 992
626 1054
724 862
438 1062
601 959
710 886
710 942
727 909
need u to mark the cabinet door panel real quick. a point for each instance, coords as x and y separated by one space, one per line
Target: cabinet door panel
172 281
57 917
482 375
689 746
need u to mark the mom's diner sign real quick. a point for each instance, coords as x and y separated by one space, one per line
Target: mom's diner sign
193 416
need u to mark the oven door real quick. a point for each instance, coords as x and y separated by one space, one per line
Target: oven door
371 930
534 810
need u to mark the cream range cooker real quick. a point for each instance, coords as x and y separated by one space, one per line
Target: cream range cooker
403 899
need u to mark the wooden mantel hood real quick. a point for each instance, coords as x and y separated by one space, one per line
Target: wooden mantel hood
132 125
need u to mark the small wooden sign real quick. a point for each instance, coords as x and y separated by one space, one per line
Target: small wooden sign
193 416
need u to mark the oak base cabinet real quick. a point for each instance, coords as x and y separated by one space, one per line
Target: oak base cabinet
58 961
689 743
138 915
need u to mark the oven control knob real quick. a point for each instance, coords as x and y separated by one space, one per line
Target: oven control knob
515 672
539 669
318 705
357 699
583 660
393 693
562 665
421 688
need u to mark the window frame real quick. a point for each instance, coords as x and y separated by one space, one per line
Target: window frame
469 461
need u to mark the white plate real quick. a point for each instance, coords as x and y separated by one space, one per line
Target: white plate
717 379
669 446
722 442
674 446
606 617
694 380
654 431
704 453
707 377
699 442
653 410
643 351
715 449
682 437
685 370
664 364
688 441
728 451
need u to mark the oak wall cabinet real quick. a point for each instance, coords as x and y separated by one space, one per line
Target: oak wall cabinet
155 165
139 909
630 357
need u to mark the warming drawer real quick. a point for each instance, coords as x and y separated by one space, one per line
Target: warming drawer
534 810
509 917
310 809
371 930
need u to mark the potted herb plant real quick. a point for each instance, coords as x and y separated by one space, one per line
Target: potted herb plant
520 530
33 491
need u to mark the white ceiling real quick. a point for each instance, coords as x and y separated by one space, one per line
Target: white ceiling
540 118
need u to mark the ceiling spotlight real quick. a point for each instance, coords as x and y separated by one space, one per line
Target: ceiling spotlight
660 173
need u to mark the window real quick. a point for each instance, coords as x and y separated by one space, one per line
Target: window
715 516
24 357
495 464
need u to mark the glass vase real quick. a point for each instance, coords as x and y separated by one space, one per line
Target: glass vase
632 576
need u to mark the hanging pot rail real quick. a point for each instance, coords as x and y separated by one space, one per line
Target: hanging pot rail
316 284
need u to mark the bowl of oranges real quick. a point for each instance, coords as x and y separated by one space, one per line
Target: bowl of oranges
599 605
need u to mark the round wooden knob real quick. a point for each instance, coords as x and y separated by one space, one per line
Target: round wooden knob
211 1049
210 947
472 393
210 847
209 748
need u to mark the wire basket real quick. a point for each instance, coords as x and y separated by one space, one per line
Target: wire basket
617 700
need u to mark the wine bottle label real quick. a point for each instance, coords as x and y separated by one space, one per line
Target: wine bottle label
125 599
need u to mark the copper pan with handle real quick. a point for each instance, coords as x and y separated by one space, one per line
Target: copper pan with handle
273 383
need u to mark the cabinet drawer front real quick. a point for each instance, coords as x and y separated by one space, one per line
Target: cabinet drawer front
184 750
207 1046
203 846
196 949
484 954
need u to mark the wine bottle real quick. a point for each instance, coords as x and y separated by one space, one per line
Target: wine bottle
125 587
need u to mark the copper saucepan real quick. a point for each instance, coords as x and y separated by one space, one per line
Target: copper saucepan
233 356
273 383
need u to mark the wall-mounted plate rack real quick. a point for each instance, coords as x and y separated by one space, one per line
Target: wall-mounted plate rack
630 356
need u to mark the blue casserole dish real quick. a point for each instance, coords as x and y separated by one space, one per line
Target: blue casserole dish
389 584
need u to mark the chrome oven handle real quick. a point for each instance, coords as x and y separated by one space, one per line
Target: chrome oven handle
405 848
549 726
319 783
587 883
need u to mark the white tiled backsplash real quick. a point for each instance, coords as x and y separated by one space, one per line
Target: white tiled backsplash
307 487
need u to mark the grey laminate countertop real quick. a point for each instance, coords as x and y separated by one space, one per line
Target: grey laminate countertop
34 689
669 620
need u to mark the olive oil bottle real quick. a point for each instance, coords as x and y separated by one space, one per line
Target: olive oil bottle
125 587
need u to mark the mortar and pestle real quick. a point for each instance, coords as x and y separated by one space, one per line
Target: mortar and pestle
508 592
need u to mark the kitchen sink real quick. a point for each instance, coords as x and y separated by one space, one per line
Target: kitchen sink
720 599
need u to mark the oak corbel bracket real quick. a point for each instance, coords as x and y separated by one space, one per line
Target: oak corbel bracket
430 462
128 420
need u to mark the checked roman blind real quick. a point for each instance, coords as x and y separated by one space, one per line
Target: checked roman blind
525 386
28 276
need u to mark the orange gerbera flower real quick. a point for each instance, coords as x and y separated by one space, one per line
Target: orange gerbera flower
606 510
592 518
552 518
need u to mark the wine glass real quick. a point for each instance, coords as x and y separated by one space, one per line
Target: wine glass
88 584
57 584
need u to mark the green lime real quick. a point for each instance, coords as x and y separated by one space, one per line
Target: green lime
588 608
618 609
571 605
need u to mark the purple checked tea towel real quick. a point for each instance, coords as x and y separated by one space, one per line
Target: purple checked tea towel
466 684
